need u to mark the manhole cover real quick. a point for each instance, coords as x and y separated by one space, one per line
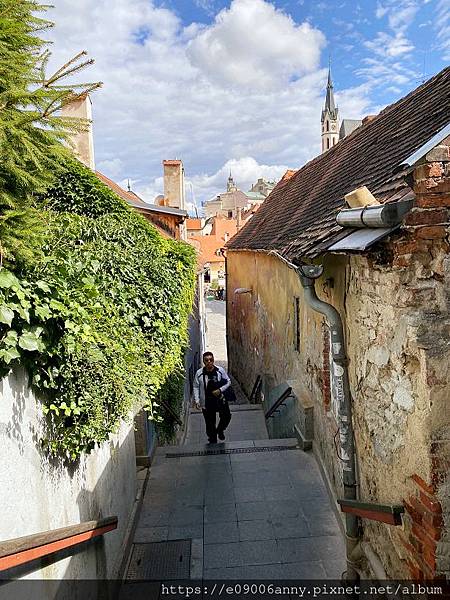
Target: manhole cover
160 560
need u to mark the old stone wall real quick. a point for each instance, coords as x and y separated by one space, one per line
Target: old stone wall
396 311
395 398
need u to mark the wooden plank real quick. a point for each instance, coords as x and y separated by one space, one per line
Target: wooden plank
375 512
40 544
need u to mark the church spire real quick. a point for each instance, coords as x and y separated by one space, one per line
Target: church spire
329 102
330 118
231 186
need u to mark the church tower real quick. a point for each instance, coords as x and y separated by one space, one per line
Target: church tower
231 186
330 118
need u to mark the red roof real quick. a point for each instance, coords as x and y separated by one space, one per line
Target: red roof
194 224
115 187
208 246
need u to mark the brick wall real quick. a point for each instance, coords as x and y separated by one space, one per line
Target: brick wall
423 529
427 518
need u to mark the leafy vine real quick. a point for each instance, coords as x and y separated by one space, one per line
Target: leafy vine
99 320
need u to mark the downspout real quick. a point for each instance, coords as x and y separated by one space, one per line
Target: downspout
307 276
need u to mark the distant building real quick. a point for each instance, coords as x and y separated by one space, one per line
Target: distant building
348 126
230 203
332 133
262 187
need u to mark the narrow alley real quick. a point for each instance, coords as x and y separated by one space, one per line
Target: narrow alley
248 508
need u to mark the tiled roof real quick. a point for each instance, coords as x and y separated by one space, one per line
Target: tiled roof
194 224
208 246
127 196
298 217
137 202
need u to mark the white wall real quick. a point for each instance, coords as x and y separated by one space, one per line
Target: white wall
38 494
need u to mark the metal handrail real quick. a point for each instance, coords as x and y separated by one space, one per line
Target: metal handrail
284 396
25 549
256 387
171 412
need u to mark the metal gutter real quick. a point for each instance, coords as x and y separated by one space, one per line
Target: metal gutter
165 210
420 153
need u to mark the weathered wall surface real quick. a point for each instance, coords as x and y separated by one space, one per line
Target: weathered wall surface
38 495
397 322
262 337
399 384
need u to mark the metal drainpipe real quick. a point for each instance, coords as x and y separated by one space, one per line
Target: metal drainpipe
345 405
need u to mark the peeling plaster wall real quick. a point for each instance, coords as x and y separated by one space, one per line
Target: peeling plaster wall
261 336
396 320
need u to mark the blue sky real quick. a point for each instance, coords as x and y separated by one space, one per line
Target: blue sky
239 83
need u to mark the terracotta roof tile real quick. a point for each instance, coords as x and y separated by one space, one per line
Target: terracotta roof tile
298 217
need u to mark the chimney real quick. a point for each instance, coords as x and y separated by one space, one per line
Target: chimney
82 142
174 183
238 217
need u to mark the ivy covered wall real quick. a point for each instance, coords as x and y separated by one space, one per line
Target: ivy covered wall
99 319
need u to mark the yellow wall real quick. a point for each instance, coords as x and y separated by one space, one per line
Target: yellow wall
391 367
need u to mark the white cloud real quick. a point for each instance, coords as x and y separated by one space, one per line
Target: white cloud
442 26
389 46
403 14
400 13
159 102
252 44
381 11
380 72
113 166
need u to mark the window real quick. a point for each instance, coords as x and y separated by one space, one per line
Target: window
230 214
297 323
328 126
328 143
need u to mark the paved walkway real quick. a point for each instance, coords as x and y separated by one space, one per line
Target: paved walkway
247 508
249 515
216 330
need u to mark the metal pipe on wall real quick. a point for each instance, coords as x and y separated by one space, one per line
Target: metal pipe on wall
307 277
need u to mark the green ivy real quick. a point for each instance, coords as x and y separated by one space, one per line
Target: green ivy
171 394
100 319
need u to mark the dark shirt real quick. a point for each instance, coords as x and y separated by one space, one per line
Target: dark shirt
213 381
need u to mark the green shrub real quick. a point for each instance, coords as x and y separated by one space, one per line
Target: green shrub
100 320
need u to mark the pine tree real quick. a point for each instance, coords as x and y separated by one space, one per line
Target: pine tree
32 135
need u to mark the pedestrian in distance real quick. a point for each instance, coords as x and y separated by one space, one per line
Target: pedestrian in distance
210 383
